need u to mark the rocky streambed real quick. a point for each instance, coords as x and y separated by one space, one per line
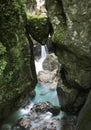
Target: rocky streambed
43 116
44 110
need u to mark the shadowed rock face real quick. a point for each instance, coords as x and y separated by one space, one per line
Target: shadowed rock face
71 23
84 118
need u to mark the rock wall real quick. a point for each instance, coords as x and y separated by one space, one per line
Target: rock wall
17 73
84 120
71 24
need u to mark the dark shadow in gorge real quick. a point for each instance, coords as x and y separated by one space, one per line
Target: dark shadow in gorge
33 72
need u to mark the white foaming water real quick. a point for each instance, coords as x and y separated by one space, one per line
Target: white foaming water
40 3
38 64
43 94
27 109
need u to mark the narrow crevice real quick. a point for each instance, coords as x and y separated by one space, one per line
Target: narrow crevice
33 72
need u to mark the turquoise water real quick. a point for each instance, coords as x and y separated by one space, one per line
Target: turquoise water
44 93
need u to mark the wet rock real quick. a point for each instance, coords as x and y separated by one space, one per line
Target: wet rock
45 107
33 115
50 72
51 62
32 94
18 128
6 127
47 76
37 50
41 128
25 123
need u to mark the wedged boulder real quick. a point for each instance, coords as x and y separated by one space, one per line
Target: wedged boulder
36 26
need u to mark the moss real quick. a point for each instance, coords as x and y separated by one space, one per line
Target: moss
39 27
2 49
59 35
15 68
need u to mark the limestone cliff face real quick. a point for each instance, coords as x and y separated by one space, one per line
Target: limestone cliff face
17 74
71 23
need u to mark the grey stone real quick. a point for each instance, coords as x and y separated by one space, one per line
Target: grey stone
84 118
25 123
71 23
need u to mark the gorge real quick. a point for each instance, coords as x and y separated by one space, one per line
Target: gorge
68 23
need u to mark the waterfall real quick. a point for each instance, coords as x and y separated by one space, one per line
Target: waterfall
38 64
43 94
43 51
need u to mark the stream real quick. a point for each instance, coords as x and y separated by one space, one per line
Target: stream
43 111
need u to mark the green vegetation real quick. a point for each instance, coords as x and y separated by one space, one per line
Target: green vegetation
59 35
39 27
15 71
16 56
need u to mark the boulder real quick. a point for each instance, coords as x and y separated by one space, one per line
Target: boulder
50 72
45 107
36 26
25 123
51 62
47 76
71 38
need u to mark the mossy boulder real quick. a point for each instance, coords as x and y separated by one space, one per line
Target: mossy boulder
39 27
16 73
71 39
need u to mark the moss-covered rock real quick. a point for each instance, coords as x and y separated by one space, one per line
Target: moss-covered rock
59 35
39 27
16 75
71 38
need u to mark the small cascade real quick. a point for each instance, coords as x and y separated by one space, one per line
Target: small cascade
44 51
43 111
38 64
